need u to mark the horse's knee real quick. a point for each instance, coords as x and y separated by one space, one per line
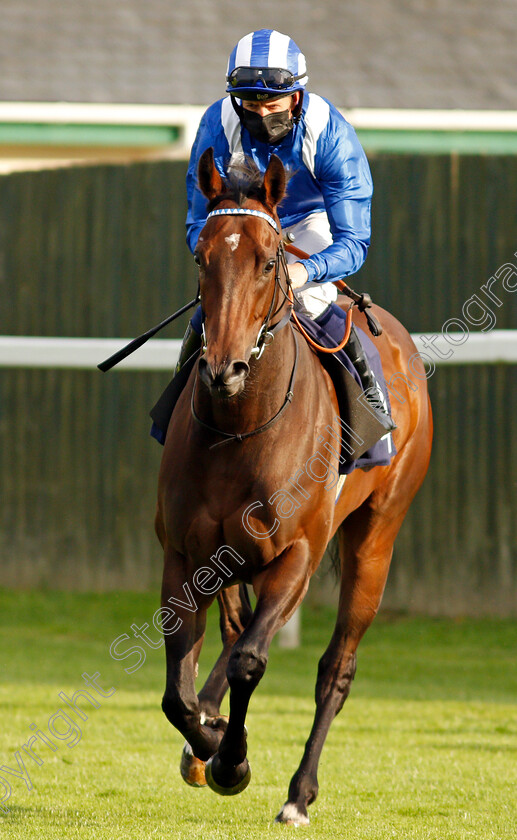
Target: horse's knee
245 668
177 712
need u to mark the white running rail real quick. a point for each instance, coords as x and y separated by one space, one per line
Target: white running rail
162 354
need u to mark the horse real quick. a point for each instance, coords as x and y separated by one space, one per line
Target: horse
258 405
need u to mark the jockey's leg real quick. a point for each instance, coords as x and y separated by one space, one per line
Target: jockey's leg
312 235
333 321
191 340
162 411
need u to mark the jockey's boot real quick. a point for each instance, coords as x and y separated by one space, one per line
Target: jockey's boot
190 344
162 411
357 356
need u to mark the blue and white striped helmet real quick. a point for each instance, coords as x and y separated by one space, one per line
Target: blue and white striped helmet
265 65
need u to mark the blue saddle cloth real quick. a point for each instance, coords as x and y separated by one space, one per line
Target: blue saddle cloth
381 453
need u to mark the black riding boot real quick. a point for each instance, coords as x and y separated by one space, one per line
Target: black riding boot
190 344
162 411
358 358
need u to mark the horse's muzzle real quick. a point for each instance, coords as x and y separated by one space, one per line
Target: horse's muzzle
226 380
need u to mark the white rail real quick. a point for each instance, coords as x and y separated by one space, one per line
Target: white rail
85 353
162 354
187 115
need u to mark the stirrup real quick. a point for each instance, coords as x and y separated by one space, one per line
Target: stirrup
372 397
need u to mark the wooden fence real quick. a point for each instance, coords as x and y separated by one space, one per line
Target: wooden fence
99 252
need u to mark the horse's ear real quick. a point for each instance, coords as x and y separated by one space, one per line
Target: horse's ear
210 182
275 182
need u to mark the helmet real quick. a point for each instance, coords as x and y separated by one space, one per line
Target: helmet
266 65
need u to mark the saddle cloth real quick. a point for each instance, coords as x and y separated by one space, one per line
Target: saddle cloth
376 448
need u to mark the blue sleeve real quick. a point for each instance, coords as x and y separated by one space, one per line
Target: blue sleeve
209 133
343 175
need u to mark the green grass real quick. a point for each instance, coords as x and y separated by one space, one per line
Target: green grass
425 747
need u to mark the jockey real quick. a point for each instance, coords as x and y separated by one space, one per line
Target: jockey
327 206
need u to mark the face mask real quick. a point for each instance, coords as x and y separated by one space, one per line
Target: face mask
269 129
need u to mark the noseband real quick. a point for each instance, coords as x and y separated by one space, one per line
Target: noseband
266 333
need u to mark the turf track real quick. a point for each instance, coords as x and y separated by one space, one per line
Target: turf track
426 746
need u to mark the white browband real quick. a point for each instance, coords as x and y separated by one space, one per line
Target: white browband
241 211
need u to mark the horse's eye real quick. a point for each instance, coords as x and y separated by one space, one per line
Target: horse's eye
269 266
197 258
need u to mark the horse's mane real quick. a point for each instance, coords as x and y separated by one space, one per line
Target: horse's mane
244 181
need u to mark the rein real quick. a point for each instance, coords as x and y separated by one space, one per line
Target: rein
362 301
318 347
297 252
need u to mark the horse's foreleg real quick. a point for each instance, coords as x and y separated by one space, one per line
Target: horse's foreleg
183 637
235 613
279 588
366 548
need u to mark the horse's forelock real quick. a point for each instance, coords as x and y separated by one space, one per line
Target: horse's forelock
244 181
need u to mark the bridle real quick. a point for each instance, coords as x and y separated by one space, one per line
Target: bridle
266 332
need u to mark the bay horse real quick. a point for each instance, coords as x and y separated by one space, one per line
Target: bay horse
258 404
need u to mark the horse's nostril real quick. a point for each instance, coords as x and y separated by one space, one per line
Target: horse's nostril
205 371
222 376
236 370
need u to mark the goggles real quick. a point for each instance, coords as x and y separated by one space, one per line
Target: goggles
274 78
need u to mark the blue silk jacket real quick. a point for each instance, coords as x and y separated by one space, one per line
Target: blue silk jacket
328 173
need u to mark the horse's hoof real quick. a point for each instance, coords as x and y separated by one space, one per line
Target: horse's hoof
292 815
192 769
237 787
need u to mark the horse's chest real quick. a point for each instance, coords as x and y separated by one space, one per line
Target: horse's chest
249 508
